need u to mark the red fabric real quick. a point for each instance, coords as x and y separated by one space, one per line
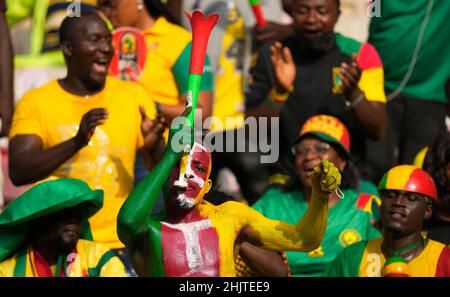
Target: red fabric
368 57
362 201
443 266
421 182
201 29
43 268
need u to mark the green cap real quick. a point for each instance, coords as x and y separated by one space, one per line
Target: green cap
43 199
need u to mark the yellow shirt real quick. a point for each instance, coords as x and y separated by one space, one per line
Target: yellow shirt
424 265
166 71
107 161
229 82
91 259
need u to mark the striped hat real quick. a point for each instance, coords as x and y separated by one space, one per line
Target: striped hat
409 178
328 129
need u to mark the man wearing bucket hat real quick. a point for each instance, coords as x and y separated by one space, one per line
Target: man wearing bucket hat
321 137
45 232
407 194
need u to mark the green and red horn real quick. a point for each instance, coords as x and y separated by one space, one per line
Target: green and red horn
201 30
257 11
396 267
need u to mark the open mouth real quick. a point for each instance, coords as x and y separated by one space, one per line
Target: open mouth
308 169
100 66
311 33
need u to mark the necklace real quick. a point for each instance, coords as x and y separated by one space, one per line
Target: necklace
397 253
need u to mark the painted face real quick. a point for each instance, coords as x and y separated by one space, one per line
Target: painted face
308 154
191 179
403 212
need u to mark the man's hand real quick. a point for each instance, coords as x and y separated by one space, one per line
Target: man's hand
272 32
152 130
350 76
325 178
283 66
89 122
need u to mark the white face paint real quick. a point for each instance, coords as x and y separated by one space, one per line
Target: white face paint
192 180
185 202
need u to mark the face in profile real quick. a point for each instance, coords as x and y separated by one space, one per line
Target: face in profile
193 183
61 229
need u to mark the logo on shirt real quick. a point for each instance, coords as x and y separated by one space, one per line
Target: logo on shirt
337 82
348 237
316 253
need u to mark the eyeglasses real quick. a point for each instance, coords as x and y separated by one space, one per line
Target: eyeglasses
319 149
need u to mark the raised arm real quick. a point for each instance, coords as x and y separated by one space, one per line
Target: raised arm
133 218
308 233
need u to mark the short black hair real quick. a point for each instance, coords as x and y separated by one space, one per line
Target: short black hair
66 31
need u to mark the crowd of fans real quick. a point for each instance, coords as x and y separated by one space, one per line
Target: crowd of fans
83 140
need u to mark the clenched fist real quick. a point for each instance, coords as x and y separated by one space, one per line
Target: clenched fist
326 177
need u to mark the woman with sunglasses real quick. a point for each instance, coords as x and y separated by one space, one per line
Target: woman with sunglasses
349 221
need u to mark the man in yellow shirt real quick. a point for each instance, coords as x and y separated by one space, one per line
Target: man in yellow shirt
41 231
87 125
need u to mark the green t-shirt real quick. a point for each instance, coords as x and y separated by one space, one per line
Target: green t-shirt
395 36
346 225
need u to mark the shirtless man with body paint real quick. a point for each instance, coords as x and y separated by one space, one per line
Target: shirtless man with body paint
195 238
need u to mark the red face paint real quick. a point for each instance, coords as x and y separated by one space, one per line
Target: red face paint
196 168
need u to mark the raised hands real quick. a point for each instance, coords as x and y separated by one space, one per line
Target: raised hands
283 66
89 122
326 177
152 130
350 76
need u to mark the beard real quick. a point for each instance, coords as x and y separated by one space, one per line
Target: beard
185 202
316 45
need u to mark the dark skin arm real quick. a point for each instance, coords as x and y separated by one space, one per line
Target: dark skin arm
29 162
371 115
6 77
263 262
135 229
284 72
